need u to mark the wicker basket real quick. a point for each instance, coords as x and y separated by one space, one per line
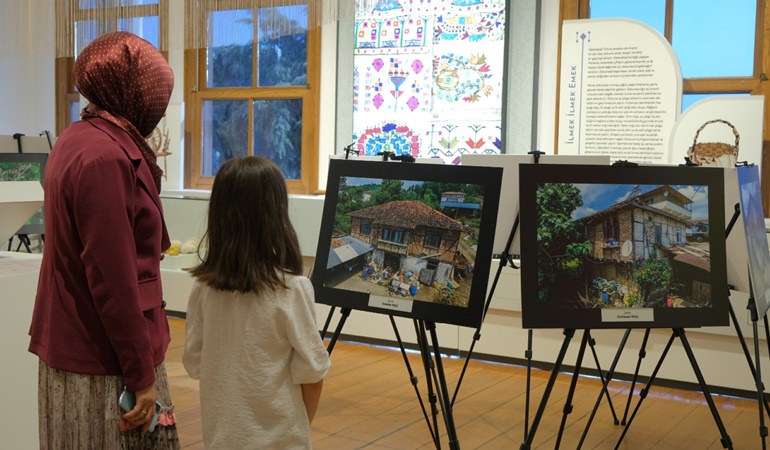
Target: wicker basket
719 154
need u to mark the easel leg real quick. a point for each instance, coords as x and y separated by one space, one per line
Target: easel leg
767 333
744 347
413 379
643 393
726 442
605 383
477 334
26 241
427 361
345 313
527 444
679 332
758 373
528 356
592 344
328 322
573 384
446 405
642 354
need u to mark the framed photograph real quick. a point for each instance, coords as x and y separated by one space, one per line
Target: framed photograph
25 167
408 239
756 236
622 247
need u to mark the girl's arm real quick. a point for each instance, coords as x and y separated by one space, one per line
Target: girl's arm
311 394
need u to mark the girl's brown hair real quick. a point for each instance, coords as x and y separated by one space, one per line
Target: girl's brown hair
250 239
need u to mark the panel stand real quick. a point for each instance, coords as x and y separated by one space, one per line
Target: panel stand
436 384
569 333
585 341
679 332
507 258
530 436
434 369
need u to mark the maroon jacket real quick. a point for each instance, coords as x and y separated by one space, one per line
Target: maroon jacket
99 300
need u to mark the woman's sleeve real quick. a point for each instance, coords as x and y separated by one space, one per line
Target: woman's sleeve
310 360
193 345
105 195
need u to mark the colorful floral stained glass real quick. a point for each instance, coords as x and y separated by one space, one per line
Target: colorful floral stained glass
428 77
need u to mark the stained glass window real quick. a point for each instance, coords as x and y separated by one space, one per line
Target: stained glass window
428 78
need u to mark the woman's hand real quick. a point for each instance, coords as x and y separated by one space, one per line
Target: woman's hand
144 410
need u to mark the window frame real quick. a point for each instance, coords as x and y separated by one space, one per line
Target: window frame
196 92
753 85
432 236
391 232
365 227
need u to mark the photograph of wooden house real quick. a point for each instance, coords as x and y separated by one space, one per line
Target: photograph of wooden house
413 239
624 245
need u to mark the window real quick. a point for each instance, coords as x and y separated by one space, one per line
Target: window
393 235
244 99
432 239
81 21
366 227
611 230
720 45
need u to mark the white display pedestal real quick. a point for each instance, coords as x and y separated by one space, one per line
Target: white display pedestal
177 285
18 283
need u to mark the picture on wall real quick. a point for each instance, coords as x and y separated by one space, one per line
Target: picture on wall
408 239
622 247
25 167
756 236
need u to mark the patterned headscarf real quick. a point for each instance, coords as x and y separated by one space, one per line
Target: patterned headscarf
127 82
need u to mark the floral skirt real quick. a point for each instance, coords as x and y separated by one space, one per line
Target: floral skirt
79 412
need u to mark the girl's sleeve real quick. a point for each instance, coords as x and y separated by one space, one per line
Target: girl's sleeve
310 360
193 345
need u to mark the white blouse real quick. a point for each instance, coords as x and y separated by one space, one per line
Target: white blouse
251 354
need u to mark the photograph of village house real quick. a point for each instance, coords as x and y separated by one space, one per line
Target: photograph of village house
405 239
624 245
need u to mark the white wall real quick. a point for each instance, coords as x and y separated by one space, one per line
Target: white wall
26 68
27 88
26 95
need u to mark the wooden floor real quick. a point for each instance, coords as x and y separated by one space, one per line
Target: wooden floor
369 403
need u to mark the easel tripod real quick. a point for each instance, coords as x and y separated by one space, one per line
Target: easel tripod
507 258
434 371
756 374
677 332
438 393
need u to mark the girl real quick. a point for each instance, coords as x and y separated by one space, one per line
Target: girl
252 338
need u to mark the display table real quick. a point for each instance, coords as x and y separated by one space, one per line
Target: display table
18 283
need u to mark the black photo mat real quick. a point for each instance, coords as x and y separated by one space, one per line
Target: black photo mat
25 167
622 247
756 236
407 239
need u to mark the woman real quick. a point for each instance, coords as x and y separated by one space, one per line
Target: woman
98 324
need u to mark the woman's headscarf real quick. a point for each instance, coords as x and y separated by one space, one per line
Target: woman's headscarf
127 82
